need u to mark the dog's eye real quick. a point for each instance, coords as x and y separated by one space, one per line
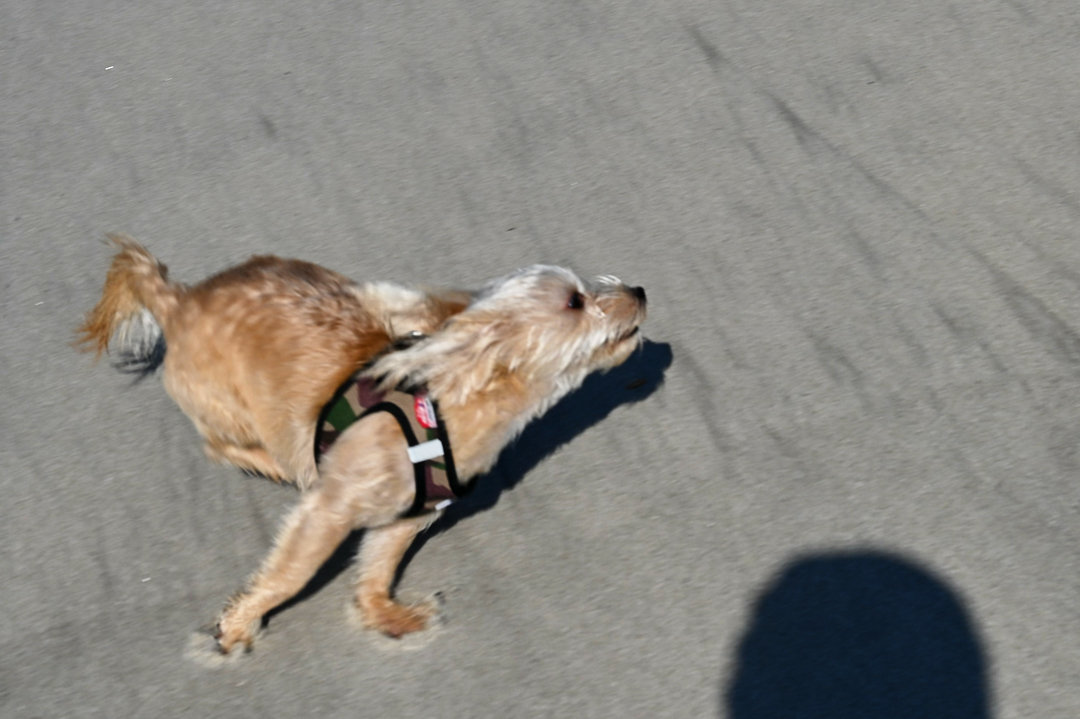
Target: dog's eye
576 301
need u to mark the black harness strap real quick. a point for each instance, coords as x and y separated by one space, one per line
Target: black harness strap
436 481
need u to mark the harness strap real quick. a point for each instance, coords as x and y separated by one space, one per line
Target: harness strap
417 415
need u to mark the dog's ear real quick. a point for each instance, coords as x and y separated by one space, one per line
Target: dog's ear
469 355
450 352
480 350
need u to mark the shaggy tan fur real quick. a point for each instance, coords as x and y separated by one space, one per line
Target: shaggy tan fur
255 352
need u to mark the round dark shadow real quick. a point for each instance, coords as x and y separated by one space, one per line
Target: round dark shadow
863 635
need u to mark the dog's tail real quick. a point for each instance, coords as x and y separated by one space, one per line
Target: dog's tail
136 303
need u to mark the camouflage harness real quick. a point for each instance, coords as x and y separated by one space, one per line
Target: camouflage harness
418 417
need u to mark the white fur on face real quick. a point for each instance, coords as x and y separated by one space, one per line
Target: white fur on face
527 286
542 324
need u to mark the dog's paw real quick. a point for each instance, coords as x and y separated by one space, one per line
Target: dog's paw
202 649
236 632
395 620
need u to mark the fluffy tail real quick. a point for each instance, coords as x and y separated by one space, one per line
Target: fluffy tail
135 305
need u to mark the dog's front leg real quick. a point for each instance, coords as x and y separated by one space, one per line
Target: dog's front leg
310 535
381 551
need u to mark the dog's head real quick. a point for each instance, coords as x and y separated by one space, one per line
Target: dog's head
542 328
548 320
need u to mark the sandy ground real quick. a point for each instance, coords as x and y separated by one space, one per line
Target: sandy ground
841 479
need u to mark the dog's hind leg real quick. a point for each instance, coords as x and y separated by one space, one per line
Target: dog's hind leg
380 555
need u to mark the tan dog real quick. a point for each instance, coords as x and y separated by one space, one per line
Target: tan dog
256 352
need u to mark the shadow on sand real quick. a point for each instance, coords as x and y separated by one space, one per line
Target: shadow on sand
861 634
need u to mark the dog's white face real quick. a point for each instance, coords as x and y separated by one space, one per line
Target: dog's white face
548 320
542 325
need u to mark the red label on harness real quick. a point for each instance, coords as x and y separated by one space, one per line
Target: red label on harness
425 412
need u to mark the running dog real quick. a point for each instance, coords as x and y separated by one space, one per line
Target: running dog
381 402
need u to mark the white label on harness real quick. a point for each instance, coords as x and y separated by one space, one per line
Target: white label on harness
425 450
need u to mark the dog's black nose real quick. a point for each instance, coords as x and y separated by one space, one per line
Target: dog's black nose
639 292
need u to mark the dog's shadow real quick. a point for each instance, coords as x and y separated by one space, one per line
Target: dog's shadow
634 380
630 382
